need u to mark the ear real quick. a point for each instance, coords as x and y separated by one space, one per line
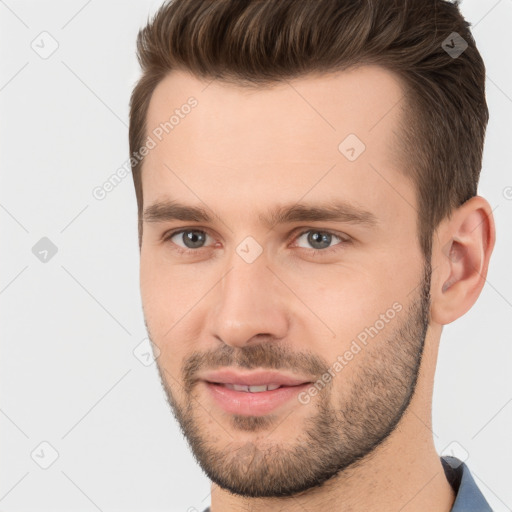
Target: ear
460 258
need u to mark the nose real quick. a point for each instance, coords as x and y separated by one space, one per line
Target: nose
249 304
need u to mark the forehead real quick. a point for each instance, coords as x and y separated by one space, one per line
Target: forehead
276 141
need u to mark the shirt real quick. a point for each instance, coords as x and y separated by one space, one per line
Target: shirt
468 497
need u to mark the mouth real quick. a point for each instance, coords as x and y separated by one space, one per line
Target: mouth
254 379
251 389
255 393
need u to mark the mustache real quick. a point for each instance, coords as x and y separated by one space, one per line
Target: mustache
268 356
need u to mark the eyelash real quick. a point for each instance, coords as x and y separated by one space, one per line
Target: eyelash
344 240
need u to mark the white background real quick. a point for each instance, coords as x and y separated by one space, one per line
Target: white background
70 325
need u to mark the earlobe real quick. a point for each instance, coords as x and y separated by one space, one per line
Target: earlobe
461 255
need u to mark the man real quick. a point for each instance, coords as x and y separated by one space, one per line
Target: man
306 177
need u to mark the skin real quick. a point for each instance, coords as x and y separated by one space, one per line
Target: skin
364 442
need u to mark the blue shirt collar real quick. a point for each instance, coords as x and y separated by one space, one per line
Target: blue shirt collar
468 496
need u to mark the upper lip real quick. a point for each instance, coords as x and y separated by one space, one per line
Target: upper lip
259 378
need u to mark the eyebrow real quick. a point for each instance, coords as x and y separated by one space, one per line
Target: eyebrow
339 211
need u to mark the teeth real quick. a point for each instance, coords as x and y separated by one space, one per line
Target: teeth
252 389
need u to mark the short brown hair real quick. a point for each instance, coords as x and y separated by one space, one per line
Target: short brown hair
260 42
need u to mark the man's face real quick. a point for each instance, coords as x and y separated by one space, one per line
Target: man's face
344 300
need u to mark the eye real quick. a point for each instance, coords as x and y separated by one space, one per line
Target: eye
321 240
188 241
191 239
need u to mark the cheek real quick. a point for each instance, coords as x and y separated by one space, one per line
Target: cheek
346 299
159 295
355 313
169 299
160 281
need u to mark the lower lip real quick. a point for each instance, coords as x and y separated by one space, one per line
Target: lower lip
253 404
